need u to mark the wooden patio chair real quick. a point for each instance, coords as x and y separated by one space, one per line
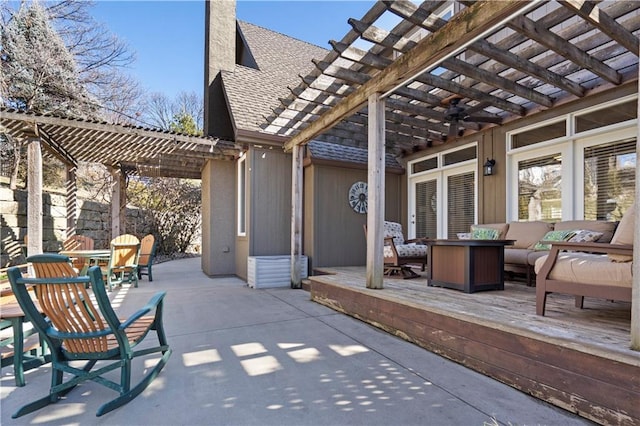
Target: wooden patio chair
123 261
147 254
400 253
78 242
77 328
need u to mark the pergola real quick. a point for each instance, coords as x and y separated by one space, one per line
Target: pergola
125 150
502 60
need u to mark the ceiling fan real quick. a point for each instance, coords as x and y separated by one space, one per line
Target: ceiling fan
456 113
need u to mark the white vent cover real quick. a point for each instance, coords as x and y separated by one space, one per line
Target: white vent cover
272 271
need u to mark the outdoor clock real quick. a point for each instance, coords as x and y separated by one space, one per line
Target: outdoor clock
358 197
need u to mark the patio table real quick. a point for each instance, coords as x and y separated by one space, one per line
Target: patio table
88 256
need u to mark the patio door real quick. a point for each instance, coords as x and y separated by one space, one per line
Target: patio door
443 203
423 221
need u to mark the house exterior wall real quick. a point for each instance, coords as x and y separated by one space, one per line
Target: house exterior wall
492 190
333 232
218 218
268 207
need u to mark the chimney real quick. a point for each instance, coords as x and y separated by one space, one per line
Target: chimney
219 55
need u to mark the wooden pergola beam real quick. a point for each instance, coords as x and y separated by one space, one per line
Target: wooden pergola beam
463 28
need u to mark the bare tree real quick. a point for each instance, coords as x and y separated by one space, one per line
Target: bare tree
161 112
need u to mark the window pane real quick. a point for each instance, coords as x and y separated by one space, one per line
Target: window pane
459 156
422 166
539 189
426 208
609 180
541 134
607 116
460 203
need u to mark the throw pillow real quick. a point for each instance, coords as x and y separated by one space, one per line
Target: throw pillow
585 236
553 236
484 234
464 235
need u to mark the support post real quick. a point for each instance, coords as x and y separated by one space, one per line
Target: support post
34 197
635 291
296 215
71 187
376 190
118 203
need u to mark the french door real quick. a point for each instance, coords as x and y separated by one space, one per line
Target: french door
443 202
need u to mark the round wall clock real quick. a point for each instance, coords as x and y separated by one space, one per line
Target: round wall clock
358 197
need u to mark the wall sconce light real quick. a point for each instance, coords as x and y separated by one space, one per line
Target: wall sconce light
489 166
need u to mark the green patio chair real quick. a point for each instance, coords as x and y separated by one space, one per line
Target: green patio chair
147 254
77 328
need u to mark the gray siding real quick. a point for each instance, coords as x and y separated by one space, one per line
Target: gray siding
333 232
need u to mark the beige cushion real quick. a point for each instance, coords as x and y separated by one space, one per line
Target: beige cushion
587 268
533 256
516 256
527 234
500 227
624 234
606 228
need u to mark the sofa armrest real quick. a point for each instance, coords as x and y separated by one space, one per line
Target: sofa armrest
603 248
559 246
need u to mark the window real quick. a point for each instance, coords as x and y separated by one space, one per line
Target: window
539 134
606 116
424 165
460 203
539 189
426 209
609 180
578 175
242 194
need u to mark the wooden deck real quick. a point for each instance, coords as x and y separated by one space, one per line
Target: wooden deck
579 360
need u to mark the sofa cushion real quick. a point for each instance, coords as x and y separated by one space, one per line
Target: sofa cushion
407 250
516 256
394 230
587 268
533 256
606 228
479 233
624 234
553 236
585 236
500 227
527 234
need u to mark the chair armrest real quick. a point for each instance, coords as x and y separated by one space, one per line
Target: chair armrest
154 302
421 241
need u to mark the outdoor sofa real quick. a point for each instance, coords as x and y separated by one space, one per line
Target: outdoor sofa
527 236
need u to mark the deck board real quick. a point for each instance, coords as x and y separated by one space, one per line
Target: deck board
579 359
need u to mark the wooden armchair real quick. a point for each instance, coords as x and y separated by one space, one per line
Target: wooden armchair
147 254
76 328
123 261
597 270
78 242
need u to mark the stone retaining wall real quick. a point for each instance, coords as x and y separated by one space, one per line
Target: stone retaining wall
93 221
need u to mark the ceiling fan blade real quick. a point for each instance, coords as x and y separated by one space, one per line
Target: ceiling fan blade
483 119
453 130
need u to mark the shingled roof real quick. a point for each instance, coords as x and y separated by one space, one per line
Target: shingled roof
252 94
327 151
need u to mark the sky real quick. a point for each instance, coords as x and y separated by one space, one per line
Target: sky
168 36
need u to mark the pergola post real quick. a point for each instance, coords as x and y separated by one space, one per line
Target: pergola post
34 197
635 291
118 203
296 215
71 187
376 176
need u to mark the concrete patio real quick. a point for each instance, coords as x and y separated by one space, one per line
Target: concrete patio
243 356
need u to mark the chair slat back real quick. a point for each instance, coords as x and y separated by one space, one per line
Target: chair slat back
68 305
125 250
78 242
146 249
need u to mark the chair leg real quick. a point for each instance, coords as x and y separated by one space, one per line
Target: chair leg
149 272
579 302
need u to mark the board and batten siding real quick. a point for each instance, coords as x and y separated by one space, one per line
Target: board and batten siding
333 232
